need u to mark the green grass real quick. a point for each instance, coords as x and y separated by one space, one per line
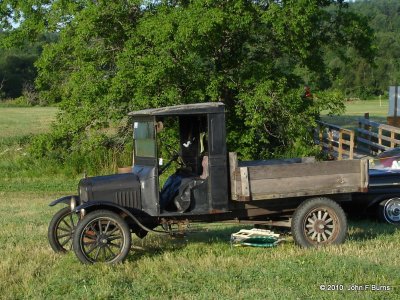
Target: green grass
377 110
21 121
201 266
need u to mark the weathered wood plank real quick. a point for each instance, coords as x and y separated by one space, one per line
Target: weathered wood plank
233 164
245 182
268 196
309 184
299 170
296 180
270 162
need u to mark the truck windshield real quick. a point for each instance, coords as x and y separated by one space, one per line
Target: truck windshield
144 139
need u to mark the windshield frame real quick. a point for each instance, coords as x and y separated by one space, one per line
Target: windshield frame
140 157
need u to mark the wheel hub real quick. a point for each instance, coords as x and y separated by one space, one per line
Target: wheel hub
102 240
392 210
319 226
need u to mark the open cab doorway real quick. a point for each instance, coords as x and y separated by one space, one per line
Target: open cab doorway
182 156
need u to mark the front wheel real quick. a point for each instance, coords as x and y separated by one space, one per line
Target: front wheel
61 230
102 236
389 211
319 222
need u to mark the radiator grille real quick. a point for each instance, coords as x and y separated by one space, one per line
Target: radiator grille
128 198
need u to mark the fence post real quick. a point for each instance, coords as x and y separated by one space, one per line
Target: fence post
330 141
368 128
351 155
392 136
379 138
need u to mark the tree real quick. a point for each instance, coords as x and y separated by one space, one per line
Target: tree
360 77
17 70
117 56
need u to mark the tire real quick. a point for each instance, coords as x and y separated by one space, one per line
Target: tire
102 236
319 222
389 211
61 230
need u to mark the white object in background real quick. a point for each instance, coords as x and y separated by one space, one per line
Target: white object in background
395 165
392 101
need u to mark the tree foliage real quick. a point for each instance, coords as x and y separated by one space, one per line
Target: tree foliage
358 77
116 56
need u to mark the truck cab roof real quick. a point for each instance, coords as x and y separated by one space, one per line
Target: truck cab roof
185 109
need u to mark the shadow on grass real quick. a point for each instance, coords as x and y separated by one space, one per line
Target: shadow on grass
362 230
216 234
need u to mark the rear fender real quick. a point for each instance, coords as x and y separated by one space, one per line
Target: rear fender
66 200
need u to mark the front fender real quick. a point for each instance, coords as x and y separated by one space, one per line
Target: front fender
66 200
102 204
112 206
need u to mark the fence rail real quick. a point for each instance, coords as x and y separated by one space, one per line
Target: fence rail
374 137
335 140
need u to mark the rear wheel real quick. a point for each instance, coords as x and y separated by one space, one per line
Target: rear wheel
102 236
61 230
389 211
319 222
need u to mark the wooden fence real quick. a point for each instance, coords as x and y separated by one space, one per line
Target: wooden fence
374 137
336 141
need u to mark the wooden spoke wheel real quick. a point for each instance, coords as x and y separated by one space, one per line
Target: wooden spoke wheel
318 222
61 230
102 236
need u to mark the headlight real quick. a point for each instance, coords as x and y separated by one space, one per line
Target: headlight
83 194
73 203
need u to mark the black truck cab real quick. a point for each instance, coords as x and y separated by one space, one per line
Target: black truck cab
200 144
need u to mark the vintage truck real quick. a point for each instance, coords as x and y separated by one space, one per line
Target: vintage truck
209 185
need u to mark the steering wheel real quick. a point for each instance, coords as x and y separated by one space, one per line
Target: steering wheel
175 157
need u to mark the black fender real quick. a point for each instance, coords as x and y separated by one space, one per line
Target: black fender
66 200
113 207
380 198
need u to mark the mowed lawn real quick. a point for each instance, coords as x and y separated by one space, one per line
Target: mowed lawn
17 121
377 109
200 266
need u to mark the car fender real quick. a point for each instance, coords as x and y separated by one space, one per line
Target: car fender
380 198
66 200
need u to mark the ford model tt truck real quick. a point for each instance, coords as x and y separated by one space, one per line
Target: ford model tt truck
210 185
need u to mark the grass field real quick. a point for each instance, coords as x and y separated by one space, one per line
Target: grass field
201 266
18 121
377 109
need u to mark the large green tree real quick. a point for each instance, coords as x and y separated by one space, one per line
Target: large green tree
117 56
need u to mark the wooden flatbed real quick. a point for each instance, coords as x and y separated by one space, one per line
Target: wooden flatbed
265 180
